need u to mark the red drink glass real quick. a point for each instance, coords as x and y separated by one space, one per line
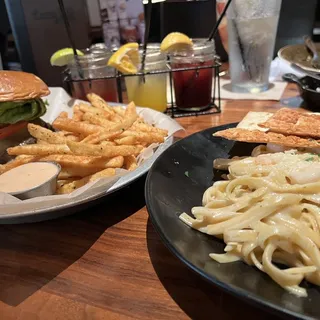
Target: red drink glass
105 88
193 88
89 79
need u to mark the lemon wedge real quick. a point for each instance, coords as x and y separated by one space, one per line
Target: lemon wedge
175 42
63 56
126 59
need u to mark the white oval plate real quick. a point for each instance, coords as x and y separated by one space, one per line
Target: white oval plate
34 211
298 54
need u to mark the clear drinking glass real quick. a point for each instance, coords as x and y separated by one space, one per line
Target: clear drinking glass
93 66
252 29
193 88
151 91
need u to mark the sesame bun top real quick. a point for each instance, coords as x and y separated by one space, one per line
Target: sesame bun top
18 85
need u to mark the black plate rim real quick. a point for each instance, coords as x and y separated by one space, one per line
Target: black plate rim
238 292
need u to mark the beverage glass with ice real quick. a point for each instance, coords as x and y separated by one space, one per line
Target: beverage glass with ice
252 29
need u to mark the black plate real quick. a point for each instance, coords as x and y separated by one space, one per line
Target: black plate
176 183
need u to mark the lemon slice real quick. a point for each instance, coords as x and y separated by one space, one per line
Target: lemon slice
126 59
176 41
63 56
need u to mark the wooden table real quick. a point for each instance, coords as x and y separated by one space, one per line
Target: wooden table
108 262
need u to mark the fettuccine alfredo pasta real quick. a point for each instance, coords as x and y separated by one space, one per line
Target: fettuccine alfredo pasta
267 212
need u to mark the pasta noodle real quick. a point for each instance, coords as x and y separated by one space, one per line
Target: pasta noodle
268 214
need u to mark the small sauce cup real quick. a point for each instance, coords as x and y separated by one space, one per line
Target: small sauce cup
46 188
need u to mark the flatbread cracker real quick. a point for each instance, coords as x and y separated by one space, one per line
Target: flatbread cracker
286 115
257 136
252 120
290 122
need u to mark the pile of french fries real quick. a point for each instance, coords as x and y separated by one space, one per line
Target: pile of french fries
97 140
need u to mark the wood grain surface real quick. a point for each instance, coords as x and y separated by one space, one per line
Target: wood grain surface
107 262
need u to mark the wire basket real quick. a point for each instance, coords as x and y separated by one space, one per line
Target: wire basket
213 107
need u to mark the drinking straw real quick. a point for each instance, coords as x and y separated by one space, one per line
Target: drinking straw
68 29
146 36
215 28
236 30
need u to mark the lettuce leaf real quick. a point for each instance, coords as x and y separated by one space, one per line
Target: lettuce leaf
15 111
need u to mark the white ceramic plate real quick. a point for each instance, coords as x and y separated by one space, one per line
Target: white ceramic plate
299 55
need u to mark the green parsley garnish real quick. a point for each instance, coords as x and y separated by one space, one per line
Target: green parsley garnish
309 159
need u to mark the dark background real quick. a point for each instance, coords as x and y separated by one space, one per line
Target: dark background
32 32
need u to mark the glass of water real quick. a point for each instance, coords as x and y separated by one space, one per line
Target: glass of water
252 30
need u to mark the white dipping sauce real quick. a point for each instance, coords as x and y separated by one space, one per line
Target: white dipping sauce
27 176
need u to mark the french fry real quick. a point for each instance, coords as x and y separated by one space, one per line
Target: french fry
96 111
70 135
140 126
73 137
18 161
130 117
76 172
130 140
99 103
71 186
44 134
100 150
115 162
116 118
120 111
144 137
131 110
108 143
96 138
85 162
130 163
80 172
39 141
127 123
140 119
77 113
90 117
39 150
76 126
63 115
62 182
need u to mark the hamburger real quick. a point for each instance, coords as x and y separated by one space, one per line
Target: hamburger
20 103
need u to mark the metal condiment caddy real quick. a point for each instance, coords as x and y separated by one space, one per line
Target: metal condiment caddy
172 110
